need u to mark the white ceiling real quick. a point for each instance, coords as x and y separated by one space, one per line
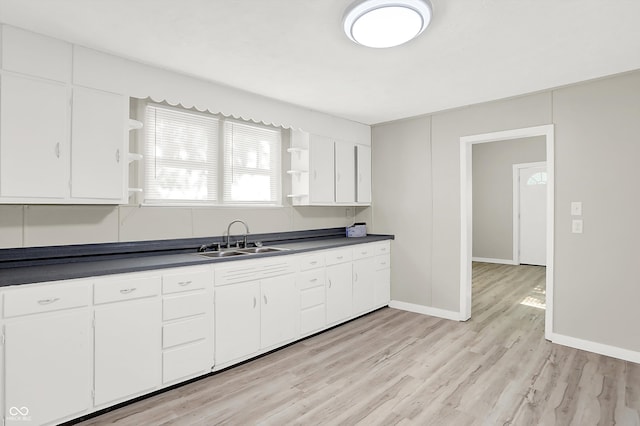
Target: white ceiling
295 50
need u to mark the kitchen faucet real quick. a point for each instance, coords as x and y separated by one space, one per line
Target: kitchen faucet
246 232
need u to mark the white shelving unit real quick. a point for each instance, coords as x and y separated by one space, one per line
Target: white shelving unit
133 156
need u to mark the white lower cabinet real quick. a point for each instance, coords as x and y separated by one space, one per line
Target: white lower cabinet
127 338
47 353
237 323
279 310
339 292
364 275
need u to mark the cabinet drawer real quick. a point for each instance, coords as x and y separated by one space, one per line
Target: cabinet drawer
46 298
115 290
364 250
338 256
312 319
312 297
383 262
189 330
383 248
311 279
311 261
185 305
186 281
186 361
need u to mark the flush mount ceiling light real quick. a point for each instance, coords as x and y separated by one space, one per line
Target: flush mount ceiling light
386 23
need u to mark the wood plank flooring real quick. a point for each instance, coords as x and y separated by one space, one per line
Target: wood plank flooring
398 368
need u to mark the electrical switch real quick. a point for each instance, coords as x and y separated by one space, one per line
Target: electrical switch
576 208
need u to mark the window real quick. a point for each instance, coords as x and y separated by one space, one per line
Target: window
251 155
201 158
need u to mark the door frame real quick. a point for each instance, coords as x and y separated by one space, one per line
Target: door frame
466 212
516 205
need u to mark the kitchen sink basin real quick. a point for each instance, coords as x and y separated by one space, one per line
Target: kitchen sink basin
224 253
261 249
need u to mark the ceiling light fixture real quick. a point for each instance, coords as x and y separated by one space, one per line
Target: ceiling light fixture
386 23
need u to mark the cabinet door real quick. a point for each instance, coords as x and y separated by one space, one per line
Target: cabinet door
339 292
345 172
321 170
33 138
47 367
127 349
382 288
237 321
364 275
280 310
363 172
98 136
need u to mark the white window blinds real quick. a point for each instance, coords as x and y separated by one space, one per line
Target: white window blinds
181 156
251 164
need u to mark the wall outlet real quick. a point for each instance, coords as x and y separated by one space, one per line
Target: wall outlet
576 226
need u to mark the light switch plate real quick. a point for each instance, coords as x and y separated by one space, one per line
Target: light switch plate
576 226
576 208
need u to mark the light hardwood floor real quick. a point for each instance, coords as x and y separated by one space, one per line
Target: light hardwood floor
393 367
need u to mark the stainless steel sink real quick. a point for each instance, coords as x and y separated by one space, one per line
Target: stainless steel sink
255 250
224 253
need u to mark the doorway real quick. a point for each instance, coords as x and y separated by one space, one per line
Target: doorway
466 212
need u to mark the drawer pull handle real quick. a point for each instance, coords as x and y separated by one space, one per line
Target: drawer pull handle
356 274
364 252
339 257
254 302
128 290
383 263
313 280
265 299
314 262
48 301
329 283
184 283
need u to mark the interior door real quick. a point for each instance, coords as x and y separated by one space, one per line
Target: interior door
532 182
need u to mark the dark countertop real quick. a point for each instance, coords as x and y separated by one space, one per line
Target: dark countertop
18 266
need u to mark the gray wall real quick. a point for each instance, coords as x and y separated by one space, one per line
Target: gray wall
493 193
596 133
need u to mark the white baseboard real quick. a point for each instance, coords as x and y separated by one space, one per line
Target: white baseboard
490 260
425 310
598 348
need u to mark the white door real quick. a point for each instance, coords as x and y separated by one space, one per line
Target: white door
345 172
33 138
339 292
364 275
363 169
128 353
237 321
533 215
321 170
280 310
47 367
98 154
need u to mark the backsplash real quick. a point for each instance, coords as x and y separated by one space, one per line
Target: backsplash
45 225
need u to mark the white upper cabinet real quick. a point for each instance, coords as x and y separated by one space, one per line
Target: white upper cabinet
98 153
363 174
33 54
59 143
34 143
321 170
325 172
345 164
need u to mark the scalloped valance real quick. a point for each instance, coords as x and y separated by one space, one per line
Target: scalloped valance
111 73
